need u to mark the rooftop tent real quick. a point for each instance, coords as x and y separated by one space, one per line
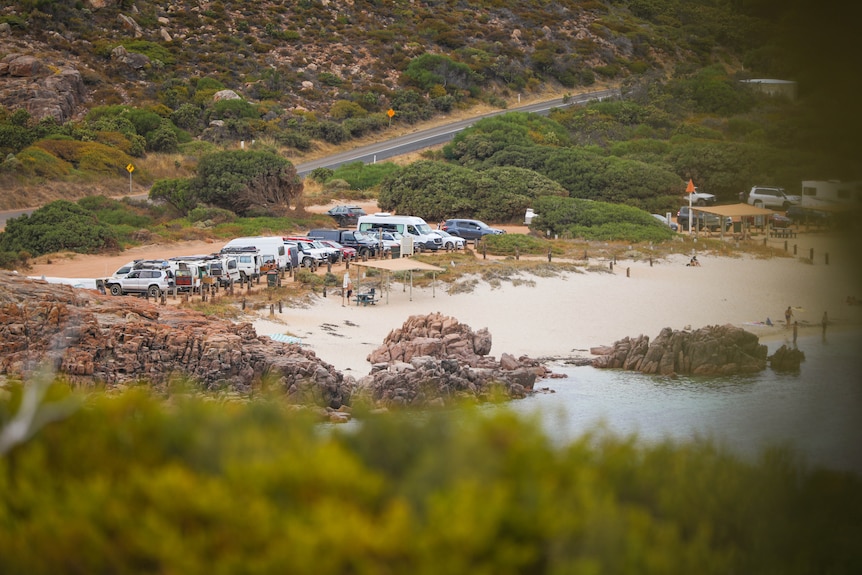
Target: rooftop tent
401 265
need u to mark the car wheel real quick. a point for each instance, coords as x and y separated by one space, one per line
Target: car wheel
116 289
154 291
364 252
701 202
758 204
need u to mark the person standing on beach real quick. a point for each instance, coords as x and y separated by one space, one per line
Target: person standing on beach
788 313
795 332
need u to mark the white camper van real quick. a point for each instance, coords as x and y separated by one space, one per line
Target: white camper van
272 249
417 228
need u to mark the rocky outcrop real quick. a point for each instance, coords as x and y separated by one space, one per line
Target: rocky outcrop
44 91
435 335
711 350
94 340
434 360
786 359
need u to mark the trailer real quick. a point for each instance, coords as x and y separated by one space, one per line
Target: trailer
831 194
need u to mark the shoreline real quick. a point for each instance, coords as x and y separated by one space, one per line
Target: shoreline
561 317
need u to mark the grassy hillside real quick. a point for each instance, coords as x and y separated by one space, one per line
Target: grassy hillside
314 76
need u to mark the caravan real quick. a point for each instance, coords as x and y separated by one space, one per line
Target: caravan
273 252
831 193
416 228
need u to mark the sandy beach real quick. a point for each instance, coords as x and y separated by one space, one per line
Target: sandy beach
566 315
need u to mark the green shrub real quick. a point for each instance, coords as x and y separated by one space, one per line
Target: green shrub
510 244
35 161
592 220
58 226
128 484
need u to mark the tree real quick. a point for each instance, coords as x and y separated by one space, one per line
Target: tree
244 182
177 193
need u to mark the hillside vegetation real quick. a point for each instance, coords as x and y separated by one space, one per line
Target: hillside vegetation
171 87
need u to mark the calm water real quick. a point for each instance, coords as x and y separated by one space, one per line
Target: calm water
817 412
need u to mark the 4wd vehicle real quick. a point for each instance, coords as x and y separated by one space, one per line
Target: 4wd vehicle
701 220
346 216
360 241
470 229
150 282
311 256
702 198
772 198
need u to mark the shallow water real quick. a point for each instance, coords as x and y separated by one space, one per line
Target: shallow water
816 412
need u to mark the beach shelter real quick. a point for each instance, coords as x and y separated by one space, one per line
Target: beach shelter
401 265
740 211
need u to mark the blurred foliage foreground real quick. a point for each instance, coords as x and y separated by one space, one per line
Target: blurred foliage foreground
135 484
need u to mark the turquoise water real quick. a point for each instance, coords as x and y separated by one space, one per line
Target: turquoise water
816 412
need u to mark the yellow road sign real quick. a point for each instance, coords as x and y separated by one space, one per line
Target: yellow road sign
390 112
130 168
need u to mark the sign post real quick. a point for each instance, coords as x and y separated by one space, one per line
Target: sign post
130 168
689 189
390 112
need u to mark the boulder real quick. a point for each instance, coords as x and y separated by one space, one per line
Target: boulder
225 95
434 359
786 359
711 350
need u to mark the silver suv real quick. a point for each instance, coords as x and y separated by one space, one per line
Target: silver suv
771 197
150 282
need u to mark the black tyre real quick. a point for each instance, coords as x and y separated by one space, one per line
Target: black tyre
154 291
308 263
701 202
115 289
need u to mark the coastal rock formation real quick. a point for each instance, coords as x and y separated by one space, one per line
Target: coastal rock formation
786 359
711 350
97 340
435 335
41 89
434 359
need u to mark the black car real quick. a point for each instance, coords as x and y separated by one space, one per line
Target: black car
809 216
346 215
469 229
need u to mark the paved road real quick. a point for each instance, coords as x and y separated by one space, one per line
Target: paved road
426 138
405 144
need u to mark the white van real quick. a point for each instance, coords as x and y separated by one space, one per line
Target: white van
272 249
421 232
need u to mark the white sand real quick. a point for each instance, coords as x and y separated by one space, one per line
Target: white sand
565 316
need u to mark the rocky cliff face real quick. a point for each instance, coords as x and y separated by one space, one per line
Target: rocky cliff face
711 350
95 340
43 90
